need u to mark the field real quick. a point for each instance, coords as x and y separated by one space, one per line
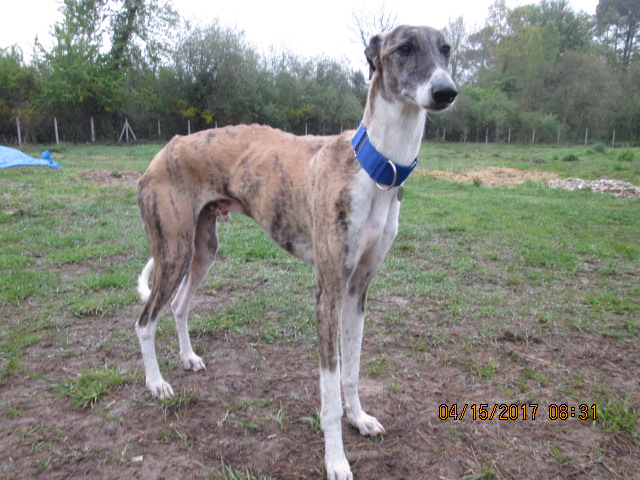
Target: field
501 316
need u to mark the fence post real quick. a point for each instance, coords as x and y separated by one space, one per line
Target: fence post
188 127
613 139
486 135
19 133
444 134
159 131
586 135
93 131
558 140
55 129
509 137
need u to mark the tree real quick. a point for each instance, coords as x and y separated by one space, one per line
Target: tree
18 87
215 75
75 80
104 60
619 27
368 22
137 30
457 36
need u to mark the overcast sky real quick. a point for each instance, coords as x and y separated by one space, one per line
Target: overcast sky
312 28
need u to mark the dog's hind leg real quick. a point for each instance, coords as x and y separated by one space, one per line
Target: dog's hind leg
206 246
352 325
171 265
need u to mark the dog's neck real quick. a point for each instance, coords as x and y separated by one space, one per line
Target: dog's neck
395 128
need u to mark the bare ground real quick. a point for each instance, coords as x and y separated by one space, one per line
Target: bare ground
495 176
251 407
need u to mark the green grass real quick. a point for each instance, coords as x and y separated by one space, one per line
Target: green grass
589 164
540 262
89 386
619 415
229 473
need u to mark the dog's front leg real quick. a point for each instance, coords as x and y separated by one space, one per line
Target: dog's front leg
328 311
352 324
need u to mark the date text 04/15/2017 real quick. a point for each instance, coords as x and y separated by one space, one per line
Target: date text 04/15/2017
504 411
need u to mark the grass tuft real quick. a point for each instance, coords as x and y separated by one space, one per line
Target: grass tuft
89 386
619 416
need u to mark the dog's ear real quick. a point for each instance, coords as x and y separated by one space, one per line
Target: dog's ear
372 52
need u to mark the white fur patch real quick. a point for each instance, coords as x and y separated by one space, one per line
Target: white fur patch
153 378
396 130
335 460
180 307
143 281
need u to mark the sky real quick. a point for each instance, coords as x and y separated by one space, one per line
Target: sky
316 28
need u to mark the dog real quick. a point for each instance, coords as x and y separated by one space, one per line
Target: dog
332 201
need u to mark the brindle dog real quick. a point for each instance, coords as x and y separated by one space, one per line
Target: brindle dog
313 198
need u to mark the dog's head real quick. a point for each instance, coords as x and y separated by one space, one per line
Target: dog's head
411 64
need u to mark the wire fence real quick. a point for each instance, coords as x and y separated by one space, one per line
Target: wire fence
114 130
524 136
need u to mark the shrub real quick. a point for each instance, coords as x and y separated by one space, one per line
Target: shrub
626 156
570 158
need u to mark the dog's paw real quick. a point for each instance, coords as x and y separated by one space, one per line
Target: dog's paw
160 389
338 470
192 362
366 424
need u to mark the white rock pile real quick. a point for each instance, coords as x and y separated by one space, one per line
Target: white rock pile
613 187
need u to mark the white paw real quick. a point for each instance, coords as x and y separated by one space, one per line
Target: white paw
192 362
366 424
160 389
338 470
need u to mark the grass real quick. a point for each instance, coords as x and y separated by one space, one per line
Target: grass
177 406
229 473
619 415
314 422
471 267
89 386
581 161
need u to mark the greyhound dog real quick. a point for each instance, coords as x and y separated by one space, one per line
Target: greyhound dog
331 201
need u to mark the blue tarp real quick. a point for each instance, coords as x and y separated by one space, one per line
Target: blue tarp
10 157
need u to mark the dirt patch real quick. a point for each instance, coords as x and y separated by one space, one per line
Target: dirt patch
495 176
107 178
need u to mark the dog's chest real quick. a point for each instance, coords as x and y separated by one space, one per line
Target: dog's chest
375 223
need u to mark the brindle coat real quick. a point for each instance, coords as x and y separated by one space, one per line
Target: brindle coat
310 195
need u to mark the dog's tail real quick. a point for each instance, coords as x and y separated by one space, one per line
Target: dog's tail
143 281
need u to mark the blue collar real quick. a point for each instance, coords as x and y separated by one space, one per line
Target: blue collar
382 170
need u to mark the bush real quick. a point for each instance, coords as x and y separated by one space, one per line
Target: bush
600 147
626 156
570 158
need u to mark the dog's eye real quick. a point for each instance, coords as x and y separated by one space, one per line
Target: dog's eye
446 50
405 50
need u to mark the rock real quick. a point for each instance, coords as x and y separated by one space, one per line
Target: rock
613 187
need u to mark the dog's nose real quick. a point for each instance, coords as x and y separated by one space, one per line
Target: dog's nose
444 91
